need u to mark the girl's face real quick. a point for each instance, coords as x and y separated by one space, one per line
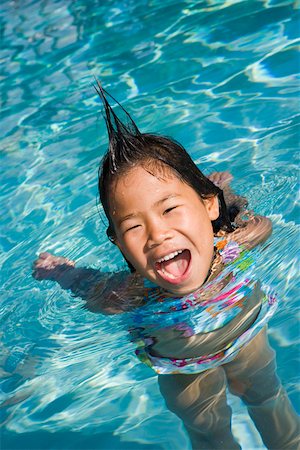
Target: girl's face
163 228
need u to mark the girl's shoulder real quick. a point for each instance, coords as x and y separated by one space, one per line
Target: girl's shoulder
251 230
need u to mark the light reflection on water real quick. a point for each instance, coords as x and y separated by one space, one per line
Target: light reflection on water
221 78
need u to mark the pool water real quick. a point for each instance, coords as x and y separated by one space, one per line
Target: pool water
218 76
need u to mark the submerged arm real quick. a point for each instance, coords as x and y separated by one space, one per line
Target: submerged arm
103 292
63 271
252 229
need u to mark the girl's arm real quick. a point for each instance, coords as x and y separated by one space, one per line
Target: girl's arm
103 292
252 229
63 271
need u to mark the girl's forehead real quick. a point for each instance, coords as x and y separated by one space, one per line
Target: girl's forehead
140 188
140 176
155 169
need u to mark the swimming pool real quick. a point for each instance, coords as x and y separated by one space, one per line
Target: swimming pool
218 76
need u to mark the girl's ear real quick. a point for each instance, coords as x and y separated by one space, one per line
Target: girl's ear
111 235
212 207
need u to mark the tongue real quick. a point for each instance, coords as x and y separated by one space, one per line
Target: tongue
178 265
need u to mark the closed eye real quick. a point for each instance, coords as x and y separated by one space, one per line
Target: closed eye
170 209
132 228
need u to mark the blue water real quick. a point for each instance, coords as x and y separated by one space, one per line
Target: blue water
218 76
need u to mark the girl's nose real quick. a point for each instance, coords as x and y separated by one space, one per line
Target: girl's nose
157 233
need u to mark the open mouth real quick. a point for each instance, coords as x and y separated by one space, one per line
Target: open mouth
174 267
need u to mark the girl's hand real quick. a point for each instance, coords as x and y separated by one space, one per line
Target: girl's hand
50 267
221 179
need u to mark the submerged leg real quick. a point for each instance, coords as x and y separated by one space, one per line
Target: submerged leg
252 376
200 401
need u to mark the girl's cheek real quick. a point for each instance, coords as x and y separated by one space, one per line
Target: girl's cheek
130 242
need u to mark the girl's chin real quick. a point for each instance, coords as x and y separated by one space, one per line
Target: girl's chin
180 288
184 286
183 290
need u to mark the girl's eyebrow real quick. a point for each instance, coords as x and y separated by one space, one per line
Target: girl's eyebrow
168 197
129 216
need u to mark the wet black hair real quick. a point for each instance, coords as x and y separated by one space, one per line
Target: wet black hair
128 147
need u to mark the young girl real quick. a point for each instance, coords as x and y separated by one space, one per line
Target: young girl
192 303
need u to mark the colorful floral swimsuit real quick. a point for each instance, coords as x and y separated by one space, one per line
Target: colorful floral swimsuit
217 310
